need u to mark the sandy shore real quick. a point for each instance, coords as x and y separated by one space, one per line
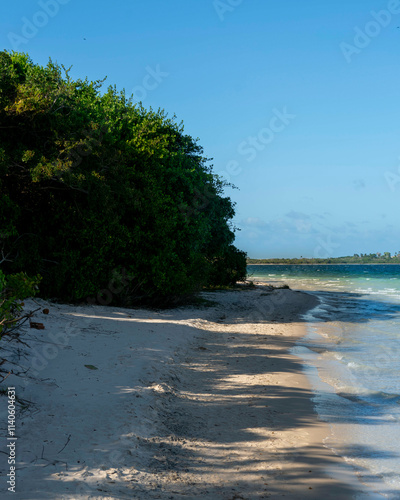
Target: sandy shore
187 403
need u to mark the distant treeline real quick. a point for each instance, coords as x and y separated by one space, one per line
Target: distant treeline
373 258
104 199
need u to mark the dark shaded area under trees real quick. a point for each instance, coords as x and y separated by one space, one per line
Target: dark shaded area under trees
97 190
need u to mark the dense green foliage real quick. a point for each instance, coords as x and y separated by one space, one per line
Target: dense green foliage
93 186
228 267
372 258
13 290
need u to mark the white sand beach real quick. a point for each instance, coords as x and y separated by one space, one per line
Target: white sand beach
193 402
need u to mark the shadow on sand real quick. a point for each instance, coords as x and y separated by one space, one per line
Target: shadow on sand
219 406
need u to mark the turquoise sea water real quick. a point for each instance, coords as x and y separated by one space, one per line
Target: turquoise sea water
352 355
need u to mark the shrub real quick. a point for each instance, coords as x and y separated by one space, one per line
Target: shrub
13 290
228 268
91 182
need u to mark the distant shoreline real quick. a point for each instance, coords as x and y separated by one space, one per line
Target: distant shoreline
339 264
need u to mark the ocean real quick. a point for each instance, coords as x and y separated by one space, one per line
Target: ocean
351 354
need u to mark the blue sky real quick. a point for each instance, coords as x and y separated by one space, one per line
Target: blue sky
297 102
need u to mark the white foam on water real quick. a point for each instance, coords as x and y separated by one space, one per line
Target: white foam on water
327 399
364 422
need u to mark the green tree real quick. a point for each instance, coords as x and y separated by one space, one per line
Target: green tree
91 183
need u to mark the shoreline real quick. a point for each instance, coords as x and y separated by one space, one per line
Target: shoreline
152 404
333 264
